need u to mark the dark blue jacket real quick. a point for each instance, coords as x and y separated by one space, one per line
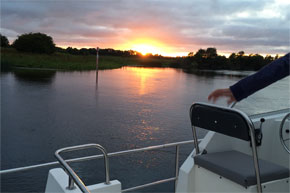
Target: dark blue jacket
269 74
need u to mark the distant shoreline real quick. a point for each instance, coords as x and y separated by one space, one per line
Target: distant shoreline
10 58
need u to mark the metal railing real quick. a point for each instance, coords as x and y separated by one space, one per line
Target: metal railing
73 177
119 153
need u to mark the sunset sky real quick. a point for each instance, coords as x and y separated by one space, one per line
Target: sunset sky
167 27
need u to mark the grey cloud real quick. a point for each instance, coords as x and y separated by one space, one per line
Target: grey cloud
185 22
256 32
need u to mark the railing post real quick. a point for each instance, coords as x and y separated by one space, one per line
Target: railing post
106 162
73 177
195 140
176 165
233 104
71 185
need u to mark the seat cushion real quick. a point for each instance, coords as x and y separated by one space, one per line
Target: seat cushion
239 167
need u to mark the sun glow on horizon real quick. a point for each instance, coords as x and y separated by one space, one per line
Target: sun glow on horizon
147 46
145 49
142 45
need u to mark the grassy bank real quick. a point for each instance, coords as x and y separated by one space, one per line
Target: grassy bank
11 58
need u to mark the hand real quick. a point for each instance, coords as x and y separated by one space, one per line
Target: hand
222 93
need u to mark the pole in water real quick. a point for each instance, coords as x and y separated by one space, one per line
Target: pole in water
97 59
97 63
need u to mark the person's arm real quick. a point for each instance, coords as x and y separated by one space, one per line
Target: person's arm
271 73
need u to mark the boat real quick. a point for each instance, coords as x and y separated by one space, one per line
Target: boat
239 153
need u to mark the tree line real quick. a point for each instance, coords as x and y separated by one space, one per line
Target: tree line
208 59
43 44
103 52
203 59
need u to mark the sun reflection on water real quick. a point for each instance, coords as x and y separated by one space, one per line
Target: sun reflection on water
146 78
149 88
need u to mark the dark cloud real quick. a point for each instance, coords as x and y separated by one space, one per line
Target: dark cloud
185 24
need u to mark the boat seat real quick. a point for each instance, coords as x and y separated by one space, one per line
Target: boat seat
239 167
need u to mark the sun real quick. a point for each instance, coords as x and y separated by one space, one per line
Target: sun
146 49
146 46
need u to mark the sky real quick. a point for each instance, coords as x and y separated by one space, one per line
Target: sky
167 27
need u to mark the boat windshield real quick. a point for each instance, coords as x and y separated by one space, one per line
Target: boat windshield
272 98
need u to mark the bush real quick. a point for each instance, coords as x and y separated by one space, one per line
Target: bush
4 41
35 43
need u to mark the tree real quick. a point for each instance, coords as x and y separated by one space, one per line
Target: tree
73 51
35 43
211 52
190 54
241 53
232 56
4 41
201 53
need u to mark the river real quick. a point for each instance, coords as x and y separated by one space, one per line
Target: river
122 109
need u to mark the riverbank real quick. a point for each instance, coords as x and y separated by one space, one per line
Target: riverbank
10 58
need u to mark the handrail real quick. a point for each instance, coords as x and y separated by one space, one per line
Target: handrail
86 158
233 104
81 184
70 171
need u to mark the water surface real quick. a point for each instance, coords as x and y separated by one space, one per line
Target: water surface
122 109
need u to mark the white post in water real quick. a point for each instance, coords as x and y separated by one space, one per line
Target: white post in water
97 64
97 59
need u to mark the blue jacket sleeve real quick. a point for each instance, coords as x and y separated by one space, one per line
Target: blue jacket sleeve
269 74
